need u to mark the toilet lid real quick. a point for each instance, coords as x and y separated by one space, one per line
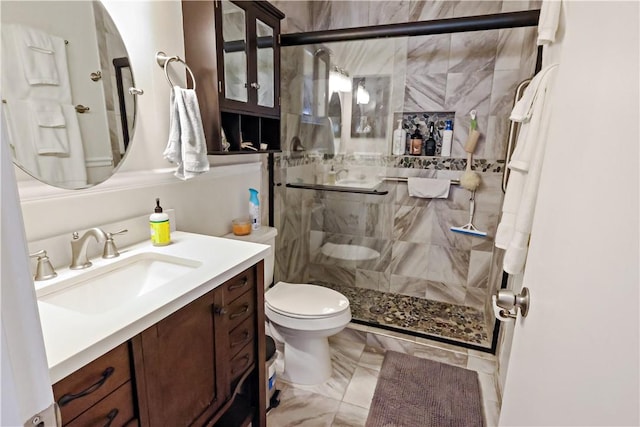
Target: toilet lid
301 300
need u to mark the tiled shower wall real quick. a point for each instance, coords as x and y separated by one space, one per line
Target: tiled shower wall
419 255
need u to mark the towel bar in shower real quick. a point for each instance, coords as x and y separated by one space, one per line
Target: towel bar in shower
404 179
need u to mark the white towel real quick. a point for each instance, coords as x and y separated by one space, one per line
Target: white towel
14 83
548 21
429 188
526 165
64 171
49 125
37 52
186 147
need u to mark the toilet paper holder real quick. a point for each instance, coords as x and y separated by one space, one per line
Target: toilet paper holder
508 300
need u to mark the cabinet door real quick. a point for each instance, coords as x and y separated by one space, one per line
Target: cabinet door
249 56
177 359
233 37
265 49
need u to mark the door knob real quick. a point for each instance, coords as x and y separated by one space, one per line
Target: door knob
82 109
508 300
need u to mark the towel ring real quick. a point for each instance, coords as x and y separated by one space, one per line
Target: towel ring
164 60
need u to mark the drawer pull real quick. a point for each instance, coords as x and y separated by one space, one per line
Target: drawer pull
239 285
111 416
245 335
70 397
246 359
240 312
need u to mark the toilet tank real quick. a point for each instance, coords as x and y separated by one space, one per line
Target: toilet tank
266 236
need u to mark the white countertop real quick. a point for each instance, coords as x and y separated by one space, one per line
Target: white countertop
73 339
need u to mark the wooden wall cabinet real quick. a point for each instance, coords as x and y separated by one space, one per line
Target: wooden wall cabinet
203 365
233 50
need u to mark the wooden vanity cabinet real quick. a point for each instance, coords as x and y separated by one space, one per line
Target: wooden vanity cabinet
100 393
203 365
187 370
233 49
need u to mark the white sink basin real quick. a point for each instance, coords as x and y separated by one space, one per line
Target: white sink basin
349 252
104 288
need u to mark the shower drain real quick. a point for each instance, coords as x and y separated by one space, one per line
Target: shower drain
376 309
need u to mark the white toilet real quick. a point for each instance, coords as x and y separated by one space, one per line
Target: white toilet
303 316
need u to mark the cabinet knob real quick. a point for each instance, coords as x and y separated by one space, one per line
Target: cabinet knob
255 85
220 311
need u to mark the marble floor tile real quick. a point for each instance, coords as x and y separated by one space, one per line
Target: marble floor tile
350 416
441 355
303 408
478 364
371 358
488 387
361 388
324 405
491 412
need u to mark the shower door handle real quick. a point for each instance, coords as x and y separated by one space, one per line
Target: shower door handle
508 300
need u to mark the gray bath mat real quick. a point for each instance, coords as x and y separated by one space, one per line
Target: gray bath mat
414 392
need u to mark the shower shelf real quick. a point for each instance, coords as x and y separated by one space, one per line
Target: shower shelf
340 189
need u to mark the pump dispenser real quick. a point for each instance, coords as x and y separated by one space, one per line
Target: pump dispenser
159 226
399 140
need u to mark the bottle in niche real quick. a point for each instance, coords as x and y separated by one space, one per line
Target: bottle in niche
447 138
399 138
416 142
430 143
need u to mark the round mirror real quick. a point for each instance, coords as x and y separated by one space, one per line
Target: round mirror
66 99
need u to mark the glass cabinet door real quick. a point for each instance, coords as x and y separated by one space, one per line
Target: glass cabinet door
265 59
234 37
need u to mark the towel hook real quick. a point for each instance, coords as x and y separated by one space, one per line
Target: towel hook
163 61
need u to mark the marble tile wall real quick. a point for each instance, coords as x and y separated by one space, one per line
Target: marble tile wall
419 255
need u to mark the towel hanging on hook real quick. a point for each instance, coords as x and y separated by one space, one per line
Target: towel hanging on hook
164 60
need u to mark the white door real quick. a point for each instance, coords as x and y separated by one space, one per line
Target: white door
575 357
26 387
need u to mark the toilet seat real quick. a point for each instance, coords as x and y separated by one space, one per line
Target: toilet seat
303 301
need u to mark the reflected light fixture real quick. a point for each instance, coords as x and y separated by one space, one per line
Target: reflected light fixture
339 80
362 94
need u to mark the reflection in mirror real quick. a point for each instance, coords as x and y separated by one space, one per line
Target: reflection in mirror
66 103
235 54
266 78
321 81
370 107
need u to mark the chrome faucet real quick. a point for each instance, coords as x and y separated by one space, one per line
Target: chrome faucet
341 170
79 258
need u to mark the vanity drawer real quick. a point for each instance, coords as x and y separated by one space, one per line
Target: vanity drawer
242 335
242 361
82 389
240 284
240 309
114 410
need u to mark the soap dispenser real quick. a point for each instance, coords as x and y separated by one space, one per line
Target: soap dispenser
160 228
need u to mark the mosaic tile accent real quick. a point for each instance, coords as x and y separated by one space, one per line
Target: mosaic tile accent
408 162
455 322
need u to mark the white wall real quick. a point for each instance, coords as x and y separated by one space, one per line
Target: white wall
204 205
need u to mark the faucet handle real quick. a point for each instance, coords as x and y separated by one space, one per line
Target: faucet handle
44 269
110 250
